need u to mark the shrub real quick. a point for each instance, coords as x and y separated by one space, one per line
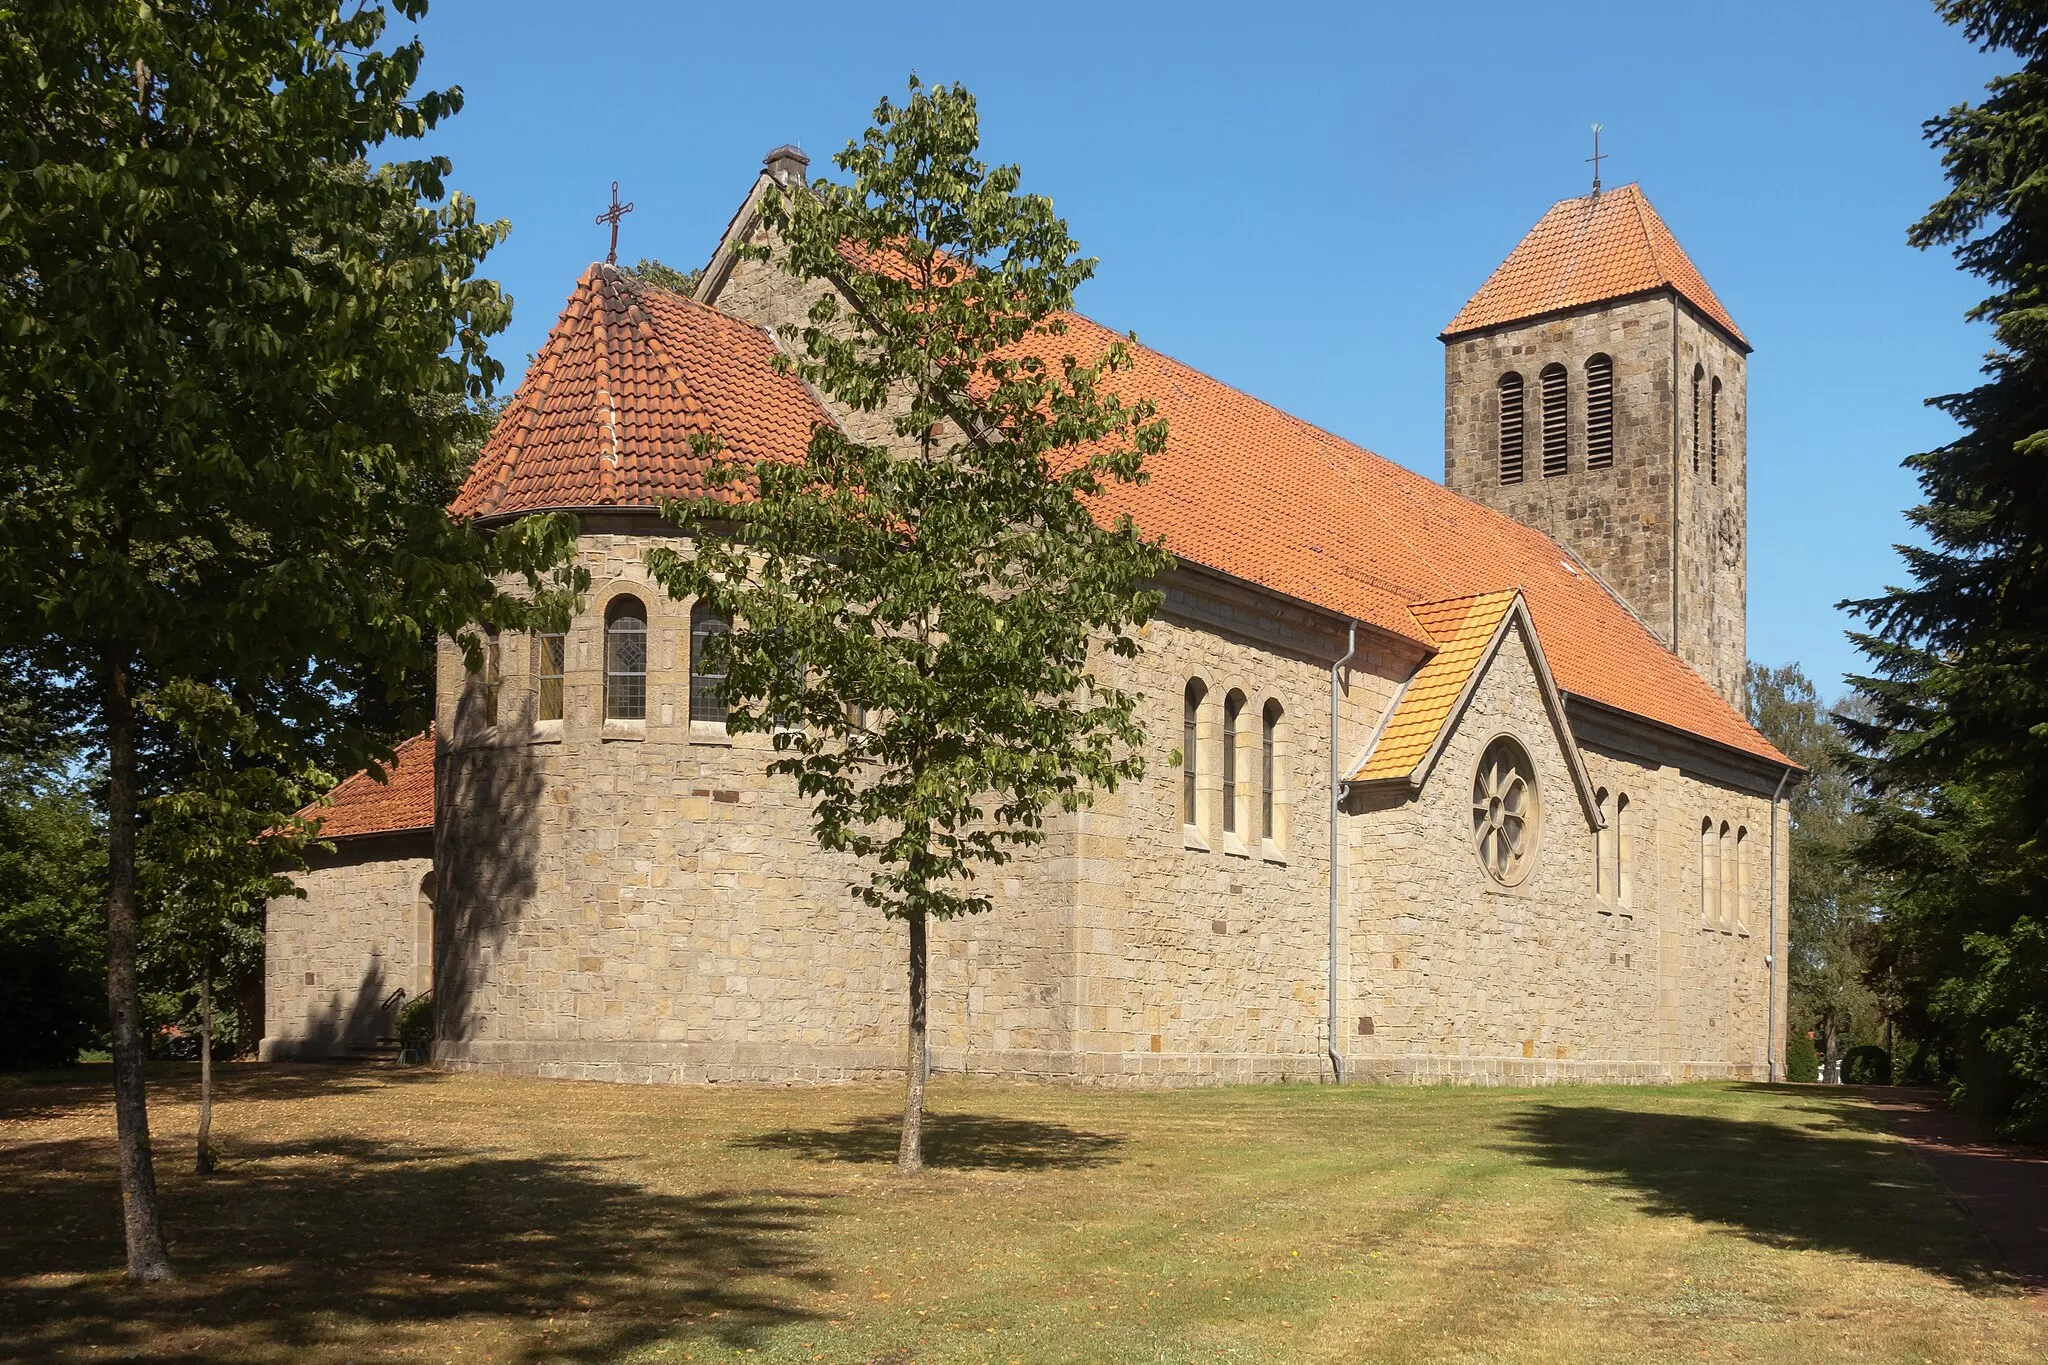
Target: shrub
1801 1062
1867 1065
416 1021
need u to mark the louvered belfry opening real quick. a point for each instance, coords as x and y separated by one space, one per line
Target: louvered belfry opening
1554 437
1511 428
1714 432
1599 412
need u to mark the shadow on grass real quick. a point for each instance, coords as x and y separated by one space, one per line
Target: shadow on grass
961 1142
1822 1175
300 1243
48 1094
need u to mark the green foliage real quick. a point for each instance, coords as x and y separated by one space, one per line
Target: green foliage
914 615
1868 1064
239 364
1802 1063
416 1020
53 984
1956 749
649 271
1830 924
236 364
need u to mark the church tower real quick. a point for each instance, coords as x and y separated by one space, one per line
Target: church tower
1594 388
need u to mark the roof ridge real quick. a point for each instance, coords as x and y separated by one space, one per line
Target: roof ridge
606 415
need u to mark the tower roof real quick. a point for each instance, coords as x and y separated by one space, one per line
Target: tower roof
1589 250
629 374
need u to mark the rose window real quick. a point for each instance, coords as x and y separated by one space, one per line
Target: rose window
1506 817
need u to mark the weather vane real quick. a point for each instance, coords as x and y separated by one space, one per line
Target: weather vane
618 211
1596 159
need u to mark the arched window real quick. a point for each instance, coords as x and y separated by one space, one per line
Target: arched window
1554 434
1624 850
1699 374
1603 848
625 660
1190 732
1728 878
550 653
1710 874
1513 428
1714 431
423 938
1742 879
1269 771
1599 412
1233 707
494 676
707 680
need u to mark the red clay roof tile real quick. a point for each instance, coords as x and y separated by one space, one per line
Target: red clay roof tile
628 375
403 801
1586 250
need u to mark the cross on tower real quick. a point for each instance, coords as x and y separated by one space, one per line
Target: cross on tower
618 211
1596 159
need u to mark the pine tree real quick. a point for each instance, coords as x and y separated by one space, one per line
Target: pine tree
1957 747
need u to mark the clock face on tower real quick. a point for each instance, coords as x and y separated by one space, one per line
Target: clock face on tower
1731 538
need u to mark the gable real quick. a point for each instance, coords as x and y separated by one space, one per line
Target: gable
1490 674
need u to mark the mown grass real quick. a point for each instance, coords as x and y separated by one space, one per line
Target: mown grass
406 1215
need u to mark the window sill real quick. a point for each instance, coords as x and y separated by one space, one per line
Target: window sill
546 732
1190 837
630 730
1233 847
710 732
1272 853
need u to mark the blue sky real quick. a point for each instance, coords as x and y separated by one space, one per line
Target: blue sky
1296 198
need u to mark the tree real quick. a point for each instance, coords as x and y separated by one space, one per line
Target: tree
647 270
52 942
917 619
1956 750
227 350
214 846
1829 924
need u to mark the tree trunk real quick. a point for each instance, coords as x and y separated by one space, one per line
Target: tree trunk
1828 1074
910 1152
141 1218
202 1156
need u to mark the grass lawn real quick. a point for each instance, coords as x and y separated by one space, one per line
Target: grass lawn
364 1215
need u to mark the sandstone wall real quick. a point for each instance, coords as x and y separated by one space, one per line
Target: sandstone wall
333 958
1648 525
1457 977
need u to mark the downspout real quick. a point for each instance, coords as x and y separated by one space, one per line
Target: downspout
1771 943
1336 798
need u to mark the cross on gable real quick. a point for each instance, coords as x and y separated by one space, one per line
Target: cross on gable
612 216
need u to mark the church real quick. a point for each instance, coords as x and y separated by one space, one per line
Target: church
1444 782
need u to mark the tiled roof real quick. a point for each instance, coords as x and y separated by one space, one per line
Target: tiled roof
403 801
1463 628
1602 246
1242 488
605 414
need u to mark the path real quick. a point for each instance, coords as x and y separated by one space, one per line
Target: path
2004 1187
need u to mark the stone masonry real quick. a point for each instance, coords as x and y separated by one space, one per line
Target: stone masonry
1651 520
334 957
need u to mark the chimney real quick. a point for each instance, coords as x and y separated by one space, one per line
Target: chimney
787 165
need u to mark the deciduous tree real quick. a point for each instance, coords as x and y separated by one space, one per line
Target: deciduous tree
228 350
918 619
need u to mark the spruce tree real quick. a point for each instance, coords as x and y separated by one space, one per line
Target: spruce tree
1957 747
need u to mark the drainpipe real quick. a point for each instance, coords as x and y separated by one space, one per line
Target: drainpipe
1336 796
1771 943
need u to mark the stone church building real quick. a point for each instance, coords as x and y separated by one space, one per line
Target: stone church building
1444 782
